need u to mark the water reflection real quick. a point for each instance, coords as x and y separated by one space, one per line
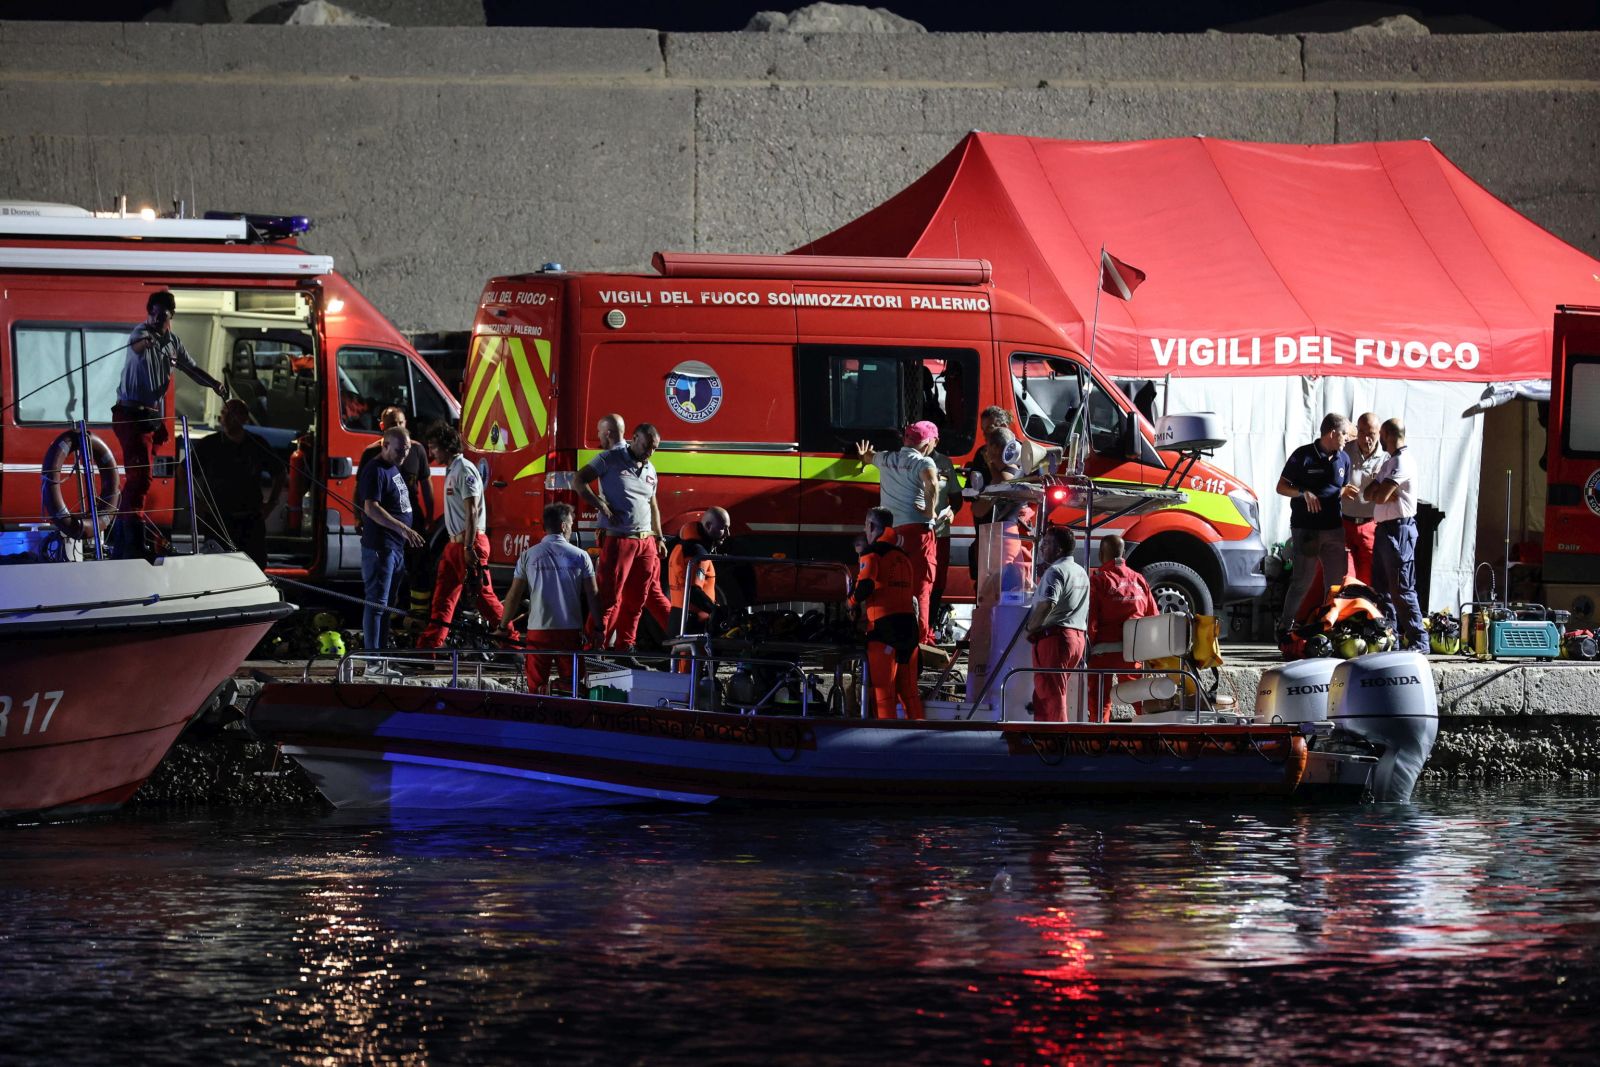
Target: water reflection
1459 926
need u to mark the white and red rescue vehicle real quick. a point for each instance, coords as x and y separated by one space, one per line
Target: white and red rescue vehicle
310 356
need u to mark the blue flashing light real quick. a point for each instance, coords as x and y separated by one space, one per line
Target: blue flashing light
271 227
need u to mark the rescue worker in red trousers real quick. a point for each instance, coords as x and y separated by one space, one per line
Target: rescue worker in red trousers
630 557
138 418
692 576
884 592
613 433
466 555
1056 624
1367 457
908 482
1117 593
556 578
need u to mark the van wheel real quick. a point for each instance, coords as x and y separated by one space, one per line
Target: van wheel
1178 589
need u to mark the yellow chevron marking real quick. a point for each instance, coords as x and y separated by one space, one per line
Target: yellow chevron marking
508 403
530 391
536 467
488 356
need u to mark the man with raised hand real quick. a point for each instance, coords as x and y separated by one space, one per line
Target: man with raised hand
630 557
138 418
909 488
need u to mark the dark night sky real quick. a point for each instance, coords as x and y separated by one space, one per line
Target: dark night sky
999 15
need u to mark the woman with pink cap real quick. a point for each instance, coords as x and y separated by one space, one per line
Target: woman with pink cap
909 487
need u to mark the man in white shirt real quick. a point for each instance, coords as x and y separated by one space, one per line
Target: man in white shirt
1366 458
466 554
1393 493
557 577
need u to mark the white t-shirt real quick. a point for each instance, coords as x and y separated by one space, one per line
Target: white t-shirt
901 486
556 571
462 480
1397 468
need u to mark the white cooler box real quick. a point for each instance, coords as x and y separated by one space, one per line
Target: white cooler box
650 688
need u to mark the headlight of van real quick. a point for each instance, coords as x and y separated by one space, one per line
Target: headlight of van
1245 501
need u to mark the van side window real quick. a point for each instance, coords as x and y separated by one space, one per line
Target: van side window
371 379
1583 394
65 372
850 392
428 403
1049 392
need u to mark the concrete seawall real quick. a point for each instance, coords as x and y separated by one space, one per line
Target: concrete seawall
432 158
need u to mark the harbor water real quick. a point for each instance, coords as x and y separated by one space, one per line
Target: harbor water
1462 927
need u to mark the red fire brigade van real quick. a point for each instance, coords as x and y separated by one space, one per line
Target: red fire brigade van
290 337
761 372
1572 507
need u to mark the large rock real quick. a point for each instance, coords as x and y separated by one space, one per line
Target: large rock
1392 26
322 13
833 18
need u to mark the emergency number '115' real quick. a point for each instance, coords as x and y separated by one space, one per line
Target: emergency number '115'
52 700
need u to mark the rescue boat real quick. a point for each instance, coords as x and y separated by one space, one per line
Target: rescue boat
415 746
102 664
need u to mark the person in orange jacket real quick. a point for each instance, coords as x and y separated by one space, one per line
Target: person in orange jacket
1117 593
885 592
692 576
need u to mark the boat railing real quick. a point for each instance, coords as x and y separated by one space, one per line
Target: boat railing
467 664
1186 671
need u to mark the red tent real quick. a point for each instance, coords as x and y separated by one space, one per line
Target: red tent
1373 260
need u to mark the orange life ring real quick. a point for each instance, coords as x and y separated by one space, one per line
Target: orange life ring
70 523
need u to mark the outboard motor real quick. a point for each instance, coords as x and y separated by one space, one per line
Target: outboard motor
1389 700
1295 692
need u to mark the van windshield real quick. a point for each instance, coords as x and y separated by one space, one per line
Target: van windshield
1049 392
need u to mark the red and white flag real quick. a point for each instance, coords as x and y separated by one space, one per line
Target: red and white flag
1117 278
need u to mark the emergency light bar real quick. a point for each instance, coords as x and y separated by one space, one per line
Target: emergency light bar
824 268
273 227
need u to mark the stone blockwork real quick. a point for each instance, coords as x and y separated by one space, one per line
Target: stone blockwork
433 157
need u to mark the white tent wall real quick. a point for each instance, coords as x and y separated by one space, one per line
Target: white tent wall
1269 417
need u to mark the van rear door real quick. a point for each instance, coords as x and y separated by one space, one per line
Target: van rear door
1572 512
508 411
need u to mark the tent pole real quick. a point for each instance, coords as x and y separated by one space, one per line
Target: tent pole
1087 446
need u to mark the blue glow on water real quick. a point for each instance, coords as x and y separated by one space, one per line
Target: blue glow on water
1460 927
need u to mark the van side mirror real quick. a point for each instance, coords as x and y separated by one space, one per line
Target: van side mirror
340 467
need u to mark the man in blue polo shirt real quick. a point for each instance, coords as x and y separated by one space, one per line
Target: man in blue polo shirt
630 557
384 536
1314 479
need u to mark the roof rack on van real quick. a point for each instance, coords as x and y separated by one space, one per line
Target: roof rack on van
20 218
824 268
